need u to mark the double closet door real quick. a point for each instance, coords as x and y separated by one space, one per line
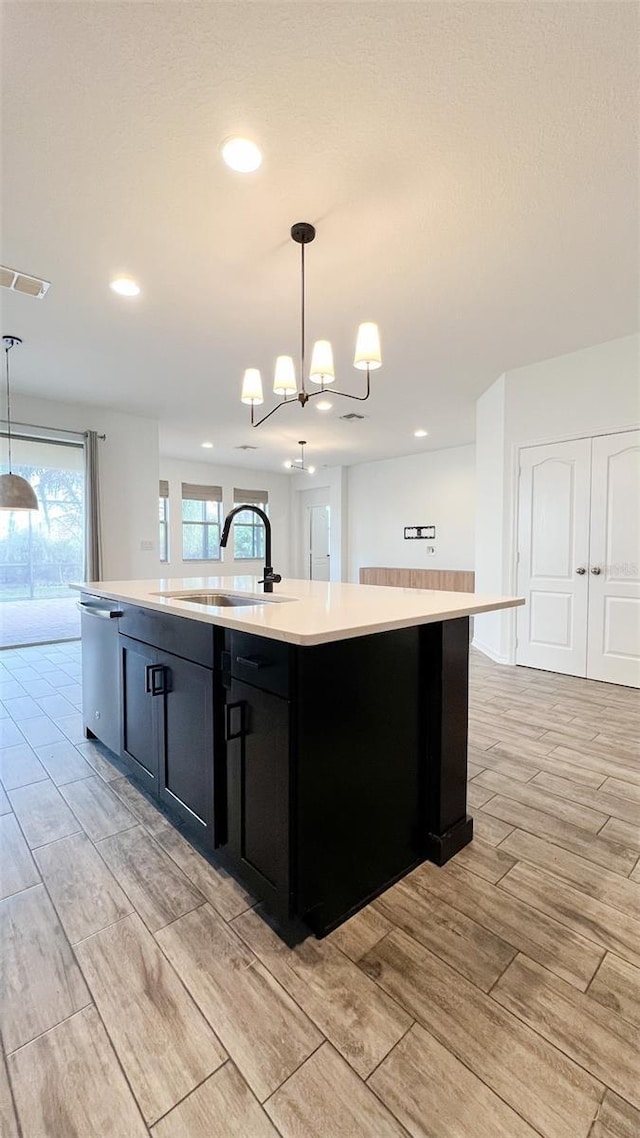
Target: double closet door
579 558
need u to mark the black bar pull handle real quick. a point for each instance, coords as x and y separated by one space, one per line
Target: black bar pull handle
251 662
240 708
154 679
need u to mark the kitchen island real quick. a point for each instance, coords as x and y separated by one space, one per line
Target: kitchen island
313 740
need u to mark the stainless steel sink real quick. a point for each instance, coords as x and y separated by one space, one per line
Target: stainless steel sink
219 599
216 600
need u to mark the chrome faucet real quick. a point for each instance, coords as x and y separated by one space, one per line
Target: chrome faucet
269 578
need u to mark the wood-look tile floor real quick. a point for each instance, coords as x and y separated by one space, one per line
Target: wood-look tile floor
497 997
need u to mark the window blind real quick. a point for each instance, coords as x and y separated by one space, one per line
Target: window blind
250 497
192 492
164 488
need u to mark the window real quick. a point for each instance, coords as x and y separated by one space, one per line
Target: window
248 528
201 522
163 518
41 551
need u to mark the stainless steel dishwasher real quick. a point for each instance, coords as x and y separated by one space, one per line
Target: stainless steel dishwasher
101 697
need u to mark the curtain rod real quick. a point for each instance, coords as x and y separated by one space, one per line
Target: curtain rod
52 432
56 442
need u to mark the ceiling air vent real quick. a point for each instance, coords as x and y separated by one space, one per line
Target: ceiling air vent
246 447
351 417
22 282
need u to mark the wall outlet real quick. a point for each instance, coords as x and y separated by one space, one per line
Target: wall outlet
431 550
146 546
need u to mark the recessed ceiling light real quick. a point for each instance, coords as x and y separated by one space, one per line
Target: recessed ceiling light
207 446
287 465
241 154
311 469
421 434
324 405
125 286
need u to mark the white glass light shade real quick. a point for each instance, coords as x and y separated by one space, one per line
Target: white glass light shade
252 386
284 382
368 354
16 493
321 370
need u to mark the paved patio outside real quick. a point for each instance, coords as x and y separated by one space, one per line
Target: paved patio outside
38 621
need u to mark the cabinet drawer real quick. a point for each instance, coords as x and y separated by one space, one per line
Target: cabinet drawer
258 661
190 639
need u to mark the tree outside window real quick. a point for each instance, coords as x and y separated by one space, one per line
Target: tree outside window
201 524
248 534
40 552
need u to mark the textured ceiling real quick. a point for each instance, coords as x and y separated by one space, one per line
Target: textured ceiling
471 169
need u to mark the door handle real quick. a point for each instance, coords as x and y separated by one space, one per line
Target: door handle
581 570
251 662
105 614
240 707
154 679
596 570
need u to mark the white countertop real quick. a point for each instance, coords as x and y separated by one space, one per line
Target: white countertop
303 612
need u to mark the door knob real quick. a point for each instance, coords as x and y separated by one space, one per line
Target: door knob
581 570
596 570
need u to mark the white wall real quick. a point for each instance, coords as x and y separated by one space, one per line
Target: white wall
593 391
210 474
490 490
433 488
128 460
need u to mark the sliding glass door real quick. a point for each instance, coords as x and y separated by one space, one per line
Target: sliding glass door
42 551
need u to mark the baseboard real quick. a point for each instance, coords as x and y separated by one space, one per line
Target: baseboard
486 651
441 847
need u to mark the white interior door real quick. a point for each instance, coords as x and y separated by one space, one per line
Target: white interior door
319 560
614 578
553 546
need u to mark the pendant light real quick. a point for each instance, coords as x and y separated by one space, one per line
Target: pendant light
15 492
367 358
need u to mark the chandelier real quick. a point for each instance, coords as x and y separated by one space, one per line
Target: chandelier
321 372
15 492
299 463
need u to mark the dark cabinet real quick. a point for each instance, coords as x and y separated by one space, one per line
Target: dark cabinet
185 771
319 774
258 792
168 731
139 711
